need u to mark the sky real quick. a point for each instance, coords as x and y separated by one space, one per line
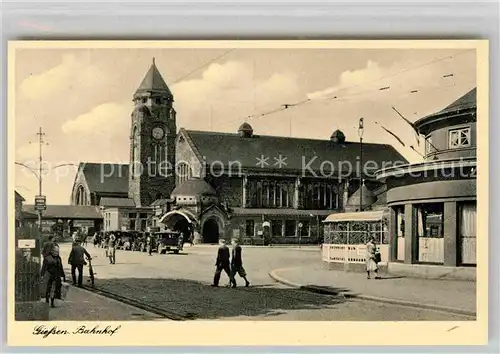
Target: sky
82 98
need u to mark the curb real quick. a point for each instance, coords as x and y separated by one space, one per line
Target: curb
347 295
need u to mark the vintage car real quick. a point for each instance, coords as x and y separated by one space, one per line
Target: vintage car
166 241
127 239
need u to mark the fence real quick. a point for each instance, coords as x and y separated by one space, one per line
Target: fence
344 242
27 266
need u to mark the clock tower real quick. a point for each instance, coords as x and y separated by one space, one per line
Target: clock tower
152 141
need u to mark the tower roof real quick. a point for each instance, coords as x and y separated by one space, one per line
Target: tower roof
153 82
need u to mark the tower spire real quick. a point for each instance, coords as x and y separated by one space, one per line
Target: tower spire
153 82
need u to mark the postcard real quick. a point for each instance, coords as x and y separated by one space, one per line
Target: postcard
195 193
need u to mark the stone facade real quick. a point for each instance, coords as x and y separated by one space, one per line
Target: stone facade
152 142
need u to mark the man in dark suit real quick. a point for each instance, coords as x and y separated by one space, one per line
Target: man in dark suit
223 264
237 264
77 261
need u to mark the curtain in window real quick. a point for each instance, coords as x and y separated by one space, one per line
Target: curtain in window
420 223
468 217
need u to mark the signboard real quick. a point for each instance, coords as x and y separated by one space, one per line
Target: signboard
361 250
30 243
259 233
40 202
83 223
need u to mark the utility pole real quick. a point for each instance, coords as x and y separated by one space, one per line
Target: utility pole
40 134
361 183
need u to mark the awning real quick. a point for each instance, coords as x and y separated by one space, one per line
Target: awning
176 215
375 215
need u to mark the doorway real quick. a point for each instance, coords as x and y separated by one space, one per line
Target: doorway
210 231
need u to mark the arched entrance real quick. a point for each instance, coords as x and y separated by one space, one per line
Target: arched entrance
210 231
182 225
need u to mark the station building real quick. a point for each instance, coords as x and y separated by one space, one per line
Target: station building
224 185
432 225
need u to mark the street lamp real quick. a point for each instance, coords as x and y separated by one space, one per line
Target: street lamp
360 134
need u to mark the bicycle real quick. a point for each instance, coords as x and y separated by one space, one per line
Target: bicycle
91 273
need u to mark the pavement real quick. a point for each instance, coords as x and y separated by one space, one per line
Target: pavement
81 305
446 295
180 284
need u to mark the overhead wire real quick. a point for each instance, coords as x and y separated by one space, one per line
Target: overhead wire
310 100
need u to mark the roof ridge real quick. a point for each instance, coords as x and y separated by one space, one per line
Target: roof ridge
206 132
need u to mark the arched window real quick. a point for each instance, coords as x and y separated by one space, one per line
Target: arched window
81 198
184 172
135 153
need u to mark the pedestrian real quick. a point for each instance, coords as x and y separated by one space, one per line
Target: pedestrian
181 241
84 239
53 266
372 260
149 244
223 264
95 240
112 249
237 264
48 246
77 261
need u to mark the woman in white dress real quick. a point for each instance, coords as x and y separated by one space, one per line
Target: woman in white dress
371 260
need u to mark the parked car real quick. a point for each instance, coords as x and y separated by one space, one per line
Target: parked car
167 241
127 239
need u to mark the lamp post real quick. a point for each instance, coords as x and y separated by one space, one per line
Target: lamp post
360 134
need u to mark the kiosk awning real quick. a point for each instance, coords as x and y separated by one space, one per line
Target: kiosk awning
375 215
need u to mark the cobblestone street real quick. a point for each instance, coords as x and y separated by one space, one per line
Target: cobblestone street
181 284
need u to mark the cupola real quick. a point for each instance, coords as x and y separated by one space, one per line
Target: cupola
245 130
338 137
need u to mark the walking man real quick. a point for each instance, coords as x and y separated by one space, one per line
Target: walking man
77 261
237 264
53 266
112 249
223 264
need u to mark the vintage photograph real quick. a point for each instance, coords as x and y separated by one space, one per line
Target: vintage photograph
238 183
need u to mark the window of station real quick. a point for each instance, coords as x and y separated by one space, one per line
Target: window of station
277 228
290 228
430 232
459 138
250 228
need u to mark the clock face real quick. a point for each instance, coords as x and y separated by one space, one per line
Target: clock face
158 133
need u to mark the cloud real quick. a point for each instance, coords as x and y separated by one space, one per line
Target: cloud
28 152
230 90
102 119
72 74
400 79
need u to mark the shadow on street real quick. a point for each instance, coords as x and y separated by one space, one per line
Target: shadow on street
196 300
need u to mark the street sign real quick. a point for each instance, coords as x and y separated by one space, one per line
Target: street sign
83 223
40 202
26 244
